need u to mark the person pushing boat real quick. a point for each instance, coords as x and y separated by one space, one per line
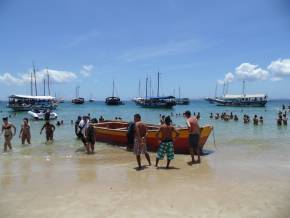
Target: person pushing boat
140 146
166 141
194 135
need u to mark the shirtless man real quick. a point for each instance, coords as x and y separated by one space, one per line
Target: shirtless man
166 141
25 132
90 138
7 129
194 135
140 140
49 130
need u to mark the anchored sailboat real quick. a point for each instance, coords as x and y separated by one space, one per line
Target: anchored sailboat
113 100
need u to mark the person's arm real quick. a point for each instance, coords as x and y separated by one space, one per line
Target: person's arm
176 132
158 133
42 129
21 130
14 129
53 127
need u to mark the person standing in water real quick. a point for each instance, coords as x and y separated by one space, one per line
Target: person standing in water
25 132
90 138
140 140
193 137
49 130
166 142
7 130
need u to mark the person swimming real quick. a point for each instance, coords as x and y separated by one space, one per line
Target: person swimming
255 120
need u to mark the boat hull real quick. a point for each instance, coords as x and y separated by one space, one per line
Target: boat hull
116 133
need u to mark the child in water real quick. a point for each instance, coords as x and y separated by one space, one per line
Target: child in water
49 130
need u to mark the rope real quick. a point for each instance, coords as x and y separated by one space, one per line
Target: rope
214 138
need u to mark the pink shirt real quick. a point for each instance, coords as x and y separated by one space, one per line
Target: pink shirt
192 124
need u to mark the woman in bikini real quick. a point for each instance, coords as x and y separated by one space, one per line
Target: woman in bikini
7 130
25 132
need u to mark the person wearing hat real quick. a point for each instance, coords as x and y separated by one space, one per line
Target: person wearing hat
166 138
7 130
193 137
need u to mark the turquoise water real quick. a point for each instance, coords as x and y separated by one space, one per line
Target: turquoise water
229 133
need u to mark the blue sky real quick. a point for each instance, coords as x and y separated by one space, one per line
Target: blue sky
193 44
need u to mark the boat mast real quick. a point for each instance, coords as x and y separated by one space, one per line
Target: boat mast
179 92
215 93
113 88
35 86
43 86
139 88
31 84
150 86
146 85
244 87
48 83
77 91
158 84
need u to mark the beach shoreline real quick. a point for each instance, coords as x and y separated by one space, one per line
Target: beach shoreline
228 183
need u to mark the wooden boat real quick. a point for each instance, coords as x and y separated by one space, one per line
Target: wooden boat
115 132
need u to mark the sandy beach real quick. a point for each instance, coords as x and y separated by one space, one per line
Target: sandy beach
230 182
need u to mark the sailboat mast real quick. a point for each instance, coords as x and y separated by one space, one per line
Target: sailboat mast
139 88
35 86
179 92
158 84
48 82
43 86
244 87
113 88
150 86
215 93
31 84
146 86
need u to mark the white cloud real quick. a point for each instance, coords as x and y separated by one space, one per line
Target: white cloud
247 71
56 76
10 79
280 68
87 70
229 77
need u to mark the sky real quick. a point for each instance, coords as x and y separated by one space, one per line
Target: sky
194 44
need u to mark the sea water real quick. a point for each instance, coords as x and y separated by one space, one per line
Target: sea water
230 133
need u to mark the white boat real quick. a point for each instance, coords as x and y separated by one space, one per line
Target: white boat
40 114
29 102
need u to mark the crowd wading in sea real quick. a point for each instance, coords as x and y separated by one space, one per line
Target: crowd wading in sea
137 133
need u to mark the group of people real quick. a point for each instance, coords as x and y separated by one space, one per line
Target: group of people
85 131
282 118
246 118
166 135
9 130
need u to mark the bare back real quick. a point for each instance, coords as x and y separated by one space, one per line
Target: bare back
141 129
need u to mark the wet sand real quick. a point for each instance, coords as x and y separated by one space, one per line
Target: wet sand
230 182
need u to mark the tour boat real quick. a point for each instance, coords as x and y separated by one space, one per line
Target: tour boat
29 102
115 132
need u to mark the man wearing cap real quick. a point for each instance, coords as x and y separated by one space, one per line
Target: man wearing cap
193 137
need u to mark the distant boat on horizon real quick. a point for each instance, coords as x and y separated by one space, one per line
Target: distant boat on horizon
78 100
113 100
155 102
182 101
242 100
